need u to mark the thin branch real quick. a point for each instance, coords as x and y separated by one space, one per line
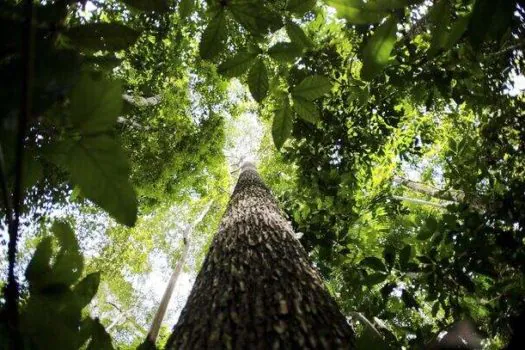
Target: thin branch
420 201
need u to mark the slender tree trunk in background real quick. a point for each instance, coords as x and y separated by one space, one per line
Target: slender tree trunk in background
159 316
256 288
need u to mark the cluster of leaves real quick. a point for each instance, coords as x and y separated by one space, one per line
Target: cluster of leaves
52 314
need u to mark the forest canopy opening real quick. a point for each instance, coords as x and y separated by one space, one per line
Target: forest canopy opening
384 204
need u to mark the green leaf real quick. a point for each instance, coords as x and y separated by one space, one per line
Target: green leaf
373 263
148 5
424 234
285 52
379 5
300 7
186 7
102 36
389 254
213 37
376 54
237 65
440 18
435 309
258 81
282 124
355 11
409 299
32 171
312 87
100 339
374 279
254 16
456 32
38 268
98 166
95 104
69 263
297 35
404 255
306 110
86 289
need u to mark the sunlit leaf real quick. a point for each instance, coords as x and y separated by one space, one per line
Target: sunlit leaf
98 166
214 37
254 16
285 52
237 65
258 81
376 54
306 110
297 35
312 87
95 104
282 124
355 11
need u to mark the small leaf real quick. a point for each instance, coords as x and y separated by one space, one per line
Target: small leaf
312 87
297 35
186 7
102 36
86 289
355 11
237 65
95 104
282 124
374 263
306 110
213 37
98 166
258 81
148 5
300 7
374 279
285 52
435 309
376 54
440 18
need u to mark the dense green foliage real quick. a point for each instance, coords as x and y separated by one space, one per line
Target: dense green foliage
392 137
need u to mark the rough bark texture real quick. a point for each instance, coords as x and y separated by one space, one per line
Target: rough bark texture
256 288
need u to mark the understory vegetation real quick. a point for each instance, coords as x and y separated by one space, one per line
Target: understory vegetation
391 132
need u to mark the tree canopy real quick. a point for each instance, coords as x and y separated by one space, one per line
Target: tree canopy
391 132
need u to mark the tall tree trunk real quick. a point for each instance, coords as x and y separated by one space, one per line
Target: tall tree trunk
161 311
256 288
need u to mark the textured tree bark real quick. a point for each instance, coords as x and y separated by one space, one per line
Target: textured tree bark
256 288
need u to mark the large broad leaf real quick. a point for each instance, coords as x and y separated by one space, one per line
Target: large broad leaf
300 7
213 37
86 289
373 263
306 109
456 31
312 87
374 279
282 124
404 256
95 104
254 16
258 81
382 5
297 35
376 54
69 263
98 166
440 18
100 339
186 7
148 5
38 268
355 11
102 36
285 52
237 65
